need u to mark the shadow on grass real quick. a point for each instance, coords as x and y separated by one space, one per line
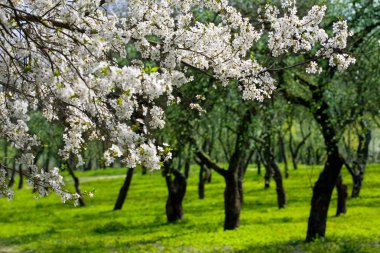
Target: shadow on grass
25 239
331 245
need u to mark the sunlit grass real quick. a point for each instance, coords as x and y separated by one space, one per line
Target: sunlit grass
47 225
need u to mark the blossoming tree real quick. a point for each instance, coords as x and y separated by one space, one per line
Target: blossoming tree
60 57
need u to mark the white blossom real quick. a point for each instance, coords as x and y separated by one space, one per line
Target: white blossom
61 62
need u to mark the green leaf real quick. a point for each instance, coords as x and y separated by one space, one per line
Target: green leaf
27 69
60 85
105 71
252 56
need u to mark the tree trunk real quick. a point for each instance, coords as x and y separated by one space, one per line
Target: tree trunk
357 185
268 174
70 167
281 196
124 190
201 184
362 154
204 177
12 179
322 192
176 193
187 167
21 182
232 202
258 163
342 196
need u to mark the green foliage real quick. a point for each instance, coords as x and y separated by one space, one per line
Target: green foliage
46 225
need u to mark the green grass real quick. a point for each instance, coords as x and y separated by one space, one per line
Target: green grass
47 225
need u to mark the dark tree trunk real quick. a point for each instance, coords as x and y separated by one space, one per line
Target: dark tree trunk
271 165
201 184
232 202
322 192
12 179
204 177
187 167
281 196
363 150
267 176
176 193
258 163
232 197
342 196
124 190
70 167
21 182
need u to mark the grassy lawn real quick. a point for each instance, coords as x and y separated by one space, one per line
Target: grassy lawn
47 225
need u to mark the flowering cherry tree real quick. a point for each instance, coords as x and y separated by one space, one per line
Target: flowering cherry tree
60 57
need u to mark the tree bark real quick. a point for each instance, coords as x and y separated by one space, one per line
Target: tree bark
187 167
124 190
363 150
342 196
232 202
176 193
201 183
281 196
322 192
268 175
204 177
21 181
12 179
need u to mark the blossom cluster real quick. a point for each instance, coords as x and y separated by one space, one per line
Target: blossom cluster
290 33
60 57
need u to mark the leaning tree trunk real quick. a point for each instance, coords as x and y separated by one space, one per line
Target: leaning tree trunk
342 196
70 168
124 190
176 193
322 192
